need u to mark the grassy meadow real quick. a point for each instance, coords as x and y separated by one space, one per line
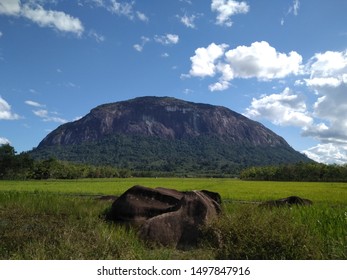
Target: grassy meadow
63 220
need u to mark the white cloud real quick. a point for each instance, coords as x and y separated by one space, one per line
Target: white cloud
328 64
6 111
41 113
33 103
125 9
204 60
1 34
323 82
187 1
47 117
98 37
4 141
45 18
55 19
295 8
138 47
219 86
260 60
142 16
325 74
144 41
167 39
328 153
286 108
328 79
189 21
10 7
226 9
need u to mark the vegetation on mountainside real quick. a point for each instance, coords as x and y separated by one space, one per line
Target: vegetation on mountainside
200 156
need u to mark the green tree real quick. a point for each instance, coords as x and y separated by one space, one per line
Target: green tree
7 160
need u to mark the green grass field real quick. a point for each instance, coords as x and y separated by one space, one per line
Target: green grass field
62 220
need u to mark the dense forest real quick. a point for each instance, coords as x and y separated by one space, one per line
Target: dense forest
23 167
205 156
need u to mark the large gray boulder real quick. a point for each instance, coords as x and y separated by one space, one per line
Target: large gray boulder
166 216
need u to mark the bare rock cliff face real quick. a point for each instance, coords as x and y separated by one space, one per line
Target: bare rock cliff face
165 118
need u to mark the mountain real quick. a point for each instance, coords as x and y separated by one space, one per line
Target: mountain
169 135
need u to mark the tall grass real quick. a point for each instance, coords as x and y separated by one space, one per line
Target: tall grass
51 226
52 220
251 232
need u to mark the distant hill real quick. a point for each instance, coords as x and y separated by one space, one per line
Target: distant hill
169 135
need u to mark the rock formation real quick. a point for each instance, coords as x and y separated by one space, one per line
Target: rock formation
166 216
167 135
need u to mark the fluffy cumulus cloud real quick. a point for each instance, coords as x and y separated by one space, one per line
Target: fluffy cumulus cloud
259 60
328 79
225 9
204 62
6 111
326 119
322 113
285 108
45 18
262 61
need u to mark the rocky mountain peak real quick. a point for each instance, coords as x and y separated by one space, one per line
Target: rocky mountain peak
165 118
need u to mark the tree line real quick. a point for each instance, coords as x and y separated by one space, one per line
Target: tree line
309 172
23 167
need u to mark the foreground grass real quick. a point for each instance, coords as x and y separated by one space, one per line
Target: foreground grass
51 220
49 226
247 232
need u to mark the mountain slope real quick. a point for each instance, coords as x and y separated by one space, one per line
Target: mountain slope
167 134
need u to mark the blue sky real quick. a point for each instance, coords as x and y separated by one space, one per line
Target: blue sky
282 63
